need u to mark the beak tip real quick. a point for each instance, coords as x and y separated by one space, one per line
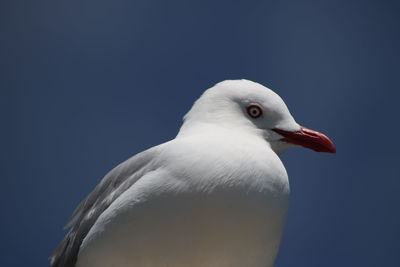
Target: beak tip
331 149
326 145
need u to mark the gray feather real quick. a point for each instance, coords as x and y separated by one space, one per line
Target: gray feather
85 215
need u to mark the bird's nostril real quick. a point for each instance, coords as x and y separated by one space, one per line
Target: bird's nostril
310 132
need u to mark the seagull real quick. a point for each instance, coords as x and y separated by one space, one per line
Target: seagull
215 196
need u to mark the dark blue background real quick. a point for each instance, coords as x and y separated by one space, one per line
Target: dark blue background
86 84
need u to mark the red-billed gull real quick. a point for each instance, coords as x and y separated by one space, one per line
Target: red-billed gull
215 196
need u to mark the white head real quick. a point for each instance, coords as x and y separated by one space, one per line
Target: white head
250 106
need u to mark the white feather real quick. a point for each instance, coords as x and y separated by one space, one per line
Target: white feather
216 195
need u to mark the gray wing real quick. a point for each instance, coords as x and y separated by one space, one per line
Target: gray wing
85 215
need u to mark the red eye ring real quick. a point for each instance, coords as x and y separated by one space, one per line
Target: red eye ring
254 111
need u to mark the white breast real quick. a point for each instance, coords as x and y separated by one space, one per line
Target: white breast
227 209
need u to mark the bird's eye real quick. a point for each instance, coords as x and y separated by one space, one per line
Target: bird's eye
254 111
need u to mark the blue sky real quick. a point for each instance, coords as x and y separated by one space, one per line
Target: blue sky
86 84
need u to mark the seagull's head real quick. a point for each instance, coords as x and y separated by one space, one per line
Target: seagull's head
243 105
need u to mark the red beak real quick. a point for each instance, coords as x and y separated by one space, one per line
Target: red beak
308 138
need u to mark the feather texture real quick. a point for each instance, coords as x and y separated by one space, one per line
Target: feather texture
116 182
